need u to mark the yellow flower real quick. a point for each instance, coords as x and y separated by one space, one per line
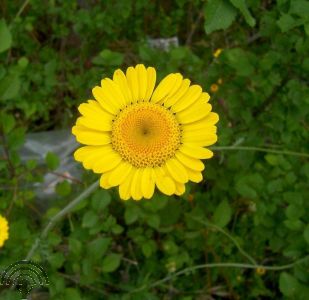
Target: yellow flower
214 88
140 137
217 53
220 81
4 230
260 271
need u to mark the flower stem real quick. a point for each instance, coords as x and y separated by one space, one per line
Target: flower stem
219 265
59 215
260 149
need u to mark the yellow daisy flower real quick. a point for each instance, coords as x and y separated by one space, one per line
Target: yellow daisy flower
4 230
139 137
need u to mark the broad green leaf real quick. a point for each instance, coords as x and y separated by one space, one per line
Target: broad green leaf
239 60
52 161
5 36
9 86
7 121
287 22
98 247
63 188
131 214
70 293
111 262
153 220
108 58
300 8
242 6
222 214
89 219
100 200
219 14
288 285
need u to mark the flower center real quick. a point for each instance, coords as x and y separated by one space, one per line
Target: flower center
146 134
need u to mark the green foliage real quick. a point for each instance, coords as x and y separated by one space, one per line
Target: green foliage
51 57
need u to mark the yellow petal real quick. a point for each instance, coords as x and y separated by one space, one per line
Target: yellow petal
176 86
136 190
90 154
193 93
189 162
194 113
151 81
195 151
121 79
180 188
93 109
199 139
90 137
148 183
107 162
203 127
142 81
177 170
172 99
164 87
106 100
195 176
133 83
114 91
164 183
95 124
212 118
119 174
125 187
104 182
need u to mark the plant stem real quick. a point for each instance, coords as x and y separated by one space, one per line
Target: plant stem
59 215
243 252
260 149
220 265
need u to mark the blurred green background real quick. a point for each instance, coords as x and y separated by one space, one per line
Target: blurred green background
53 52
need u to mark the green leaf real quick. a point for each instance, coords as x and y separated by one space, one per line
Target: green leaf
89 219
52 161
98 247
219 14
100 200
108 58
70 293
111 262
242 6
9 86
131 214
300 8
63 188
7 122
222 214
239 60
5 36
287 22
153 221
288 285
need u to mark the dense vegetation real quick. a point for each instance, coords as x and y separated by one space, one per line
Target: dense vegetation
251 202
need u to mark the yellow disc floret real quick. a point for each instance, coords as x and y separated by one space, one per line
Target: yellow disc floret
146 134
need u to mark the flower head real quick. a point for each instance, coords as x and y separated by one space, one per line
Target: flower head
4 230
140 137
214 88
